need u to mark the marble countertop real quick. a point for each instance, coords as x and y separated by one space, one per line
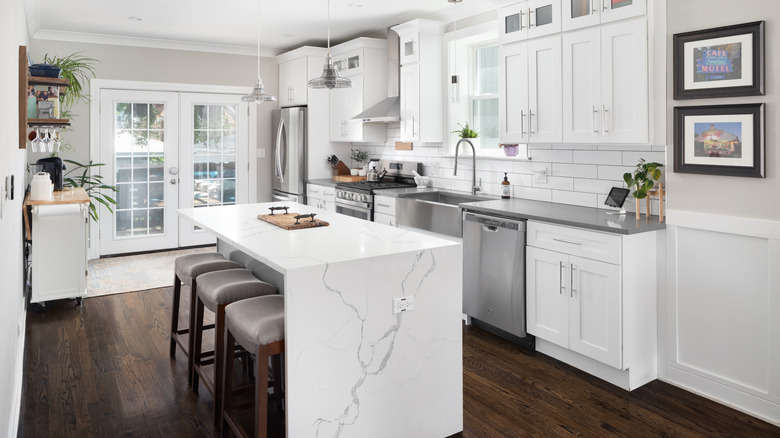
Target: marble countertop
327 182
345 239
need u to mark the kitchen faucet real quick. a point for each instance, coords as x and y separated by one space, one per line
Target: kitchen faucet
474 187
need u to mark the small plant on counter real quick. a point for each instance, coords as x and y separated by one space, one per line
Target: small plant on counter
92 184
466 131
643 178
358 155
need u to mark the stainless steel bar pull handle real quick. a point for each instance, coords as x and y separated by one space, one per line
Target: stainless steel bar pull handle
522 123
593 121
560 277
603 6
530 24
571 289
604 111
571 242
531 123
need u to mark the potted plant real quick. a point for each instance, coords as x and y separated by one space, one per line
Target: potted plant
358 156
465 131
642 180
510 149
79 176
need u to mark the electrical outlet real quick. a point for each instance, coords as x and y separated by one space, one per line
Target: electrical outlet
540 176
260 152
403 304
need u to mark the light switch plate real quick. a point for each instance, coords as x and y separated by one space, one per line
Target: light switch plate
403 304
260 152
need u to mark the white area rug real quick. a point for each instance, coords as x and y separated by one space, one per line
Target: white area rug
133 273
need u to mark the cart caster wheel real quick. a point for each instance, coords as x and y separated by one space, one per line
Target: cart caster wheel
78 301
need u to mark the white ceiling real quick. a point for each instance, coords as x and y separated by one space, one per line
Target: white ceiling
230 25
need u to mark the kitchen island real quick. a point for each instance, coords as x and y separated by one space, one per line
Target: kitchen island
353 367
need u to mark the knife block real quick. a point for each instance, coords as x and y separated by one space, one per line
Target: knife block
340 169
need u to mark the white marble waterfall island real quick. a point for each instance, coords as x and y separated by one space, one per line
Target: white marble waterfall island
354 368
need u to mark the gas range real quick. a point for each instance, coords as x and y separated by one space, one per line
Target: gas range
357 198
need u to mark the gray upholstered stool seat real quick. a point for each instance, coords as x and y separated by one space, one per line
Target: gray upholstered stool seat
258 326
187 268
215 291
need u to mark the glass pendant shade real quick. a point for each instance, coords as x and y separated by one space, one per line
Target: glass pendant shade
330 78
258 94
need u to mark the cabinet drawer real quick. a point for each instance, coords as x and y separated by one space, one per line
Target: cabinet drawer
386 219
384 204
575 241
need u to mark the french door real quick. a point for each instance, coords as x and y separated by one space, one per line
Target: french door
164 151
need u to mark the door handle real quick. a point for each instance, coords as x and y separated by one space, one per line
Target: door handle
560 277
490 228
530 25
572 242
174 181
593 121
277 158
531 123
604 111
522 123
173 170
571 288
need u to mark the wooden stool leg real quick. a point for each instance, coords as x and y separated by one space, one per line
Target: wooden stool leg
197 336
219 364
227 383
261 393
175 312
193 301
276 362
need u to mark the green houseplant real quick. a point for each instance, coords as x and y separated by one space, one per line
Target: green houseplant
77 69
358 156
79 176
465 131
642 180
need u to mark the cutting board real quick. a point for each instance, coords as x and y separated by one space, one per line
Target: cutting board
287 221
348 178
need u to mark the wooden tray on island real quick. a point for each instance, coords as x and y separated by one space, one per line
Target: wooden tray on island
287 221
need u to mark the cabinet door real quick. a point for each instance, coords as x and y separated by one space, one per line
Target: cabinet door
513 23
292 82
410 47
513 93
581 86
624 106
386 219
346 103
547 295
576 14
410 102
544 17
545 113
329 199
612 10
595 310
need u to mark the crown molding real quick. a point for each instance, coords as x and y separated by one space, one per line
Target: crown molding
91 38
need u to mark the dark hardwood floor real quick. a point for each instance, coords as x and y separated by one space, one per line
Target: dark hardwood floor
102 370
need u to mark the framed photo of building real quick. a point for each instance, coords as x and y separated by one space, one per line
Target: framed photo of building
720 140
720 62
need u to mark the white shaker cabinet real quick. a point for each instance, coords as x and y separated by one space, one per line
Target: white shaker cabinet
605 85
421 69
295 69
530 98
322 197
364 61
577 14
384 210
591 300
529 19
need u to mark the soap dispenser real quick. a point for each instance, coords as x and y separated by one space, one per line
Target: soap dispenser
505 188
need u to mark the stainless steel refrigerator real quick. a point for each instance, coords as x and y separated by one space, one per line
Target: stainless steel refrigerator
291 138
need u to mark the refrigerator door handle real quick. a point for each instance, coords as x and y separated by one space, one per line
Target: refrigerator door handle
277 154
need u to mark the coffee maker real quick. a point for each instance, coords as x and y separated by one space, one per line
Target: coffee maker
54 167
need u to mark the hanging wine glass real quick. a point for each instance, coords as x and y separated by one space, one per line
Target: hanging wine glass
35 140
55 138
45 141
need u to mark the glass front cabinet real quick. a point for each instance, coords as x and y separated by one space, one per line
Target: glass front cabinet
529 19
577 14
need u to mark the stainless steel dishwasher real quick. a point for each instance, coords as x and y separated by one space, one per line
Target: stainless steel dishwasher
494 271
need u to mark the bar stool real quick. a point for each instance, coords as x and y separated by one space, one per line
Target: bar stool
257 324
215 291
187 269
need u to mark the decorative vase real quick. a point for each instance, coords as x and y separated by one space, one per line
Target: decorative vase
510 150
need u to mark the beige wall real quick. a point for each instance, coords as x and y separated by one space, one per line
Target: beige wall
13 33
172 66
729 196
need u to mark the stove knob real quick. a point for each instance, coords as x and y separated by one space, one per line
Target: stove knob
360 198
340 194
348 195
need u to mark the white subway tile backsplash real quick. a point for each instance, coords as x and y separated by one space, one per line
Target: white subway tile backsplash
614 173
552 156
574 198
625 147
556 183
597 186
532 193
632 158
598 157
575 170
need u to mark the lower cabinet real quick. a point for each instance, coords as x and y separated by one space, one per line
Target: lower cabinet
322 197
384 210
591 300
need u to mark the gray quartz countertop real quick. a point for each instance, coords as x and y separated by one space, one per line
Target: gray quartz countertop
327 182
572 215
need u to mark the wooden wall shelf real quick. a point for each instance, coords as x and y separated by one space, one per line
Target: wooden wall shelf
40 80
48 122
26 80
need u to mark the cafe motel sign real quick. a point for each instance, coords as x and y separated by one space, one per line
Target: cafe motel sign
715 64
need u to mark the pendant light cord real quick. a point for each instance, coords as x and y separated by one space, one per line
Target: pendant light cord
258 38
328 28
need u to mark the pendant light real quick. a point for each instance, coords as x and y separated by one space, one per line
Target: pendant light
258 94
330 75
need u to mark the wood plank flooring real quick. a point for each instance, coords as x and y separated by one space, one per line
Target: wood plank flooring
102 370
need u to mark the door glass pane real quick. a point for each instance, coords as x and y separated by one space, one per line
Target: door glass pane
485 115
512 23
138 160
214 155
409 48
580 8
620 3
544 15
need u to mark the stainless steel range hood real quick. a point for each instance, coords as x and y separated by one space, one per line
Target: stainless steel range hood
388 110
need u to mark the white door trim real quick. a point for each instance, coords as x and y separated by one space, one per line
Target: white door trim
97 85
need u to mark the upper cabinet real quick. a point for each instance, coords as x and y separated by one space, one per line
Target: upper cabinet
529 19
421 69
577 14
605 91
364 61
295 69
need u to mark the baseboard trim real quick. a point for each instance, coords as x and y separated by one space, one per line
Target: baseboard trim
16 407
750 404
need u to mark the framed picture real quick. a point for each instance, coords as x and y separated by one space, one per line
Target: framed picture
721 62
720 140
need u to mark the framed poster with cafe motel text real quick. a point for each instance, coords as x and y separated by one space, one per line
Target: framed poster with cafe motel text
720 62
